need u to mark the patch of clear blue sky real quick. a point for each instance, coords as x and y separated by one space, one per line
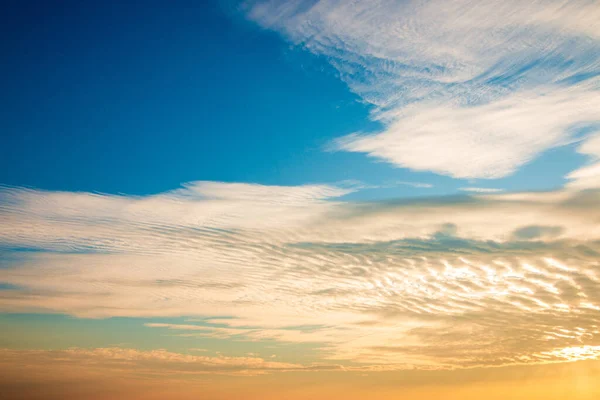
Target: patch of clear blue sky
57 331
137 98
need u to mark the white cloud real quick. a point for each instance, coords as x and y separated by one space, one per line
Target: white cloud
480 190
470 89
377 282
588 176
418 185
484 141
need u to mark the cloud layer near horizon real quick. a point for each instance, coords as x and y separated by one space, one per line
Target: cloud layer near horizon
440 283
468 89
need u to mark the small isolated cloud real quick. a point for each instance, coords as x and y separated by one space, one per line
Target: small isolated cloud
464 88
537 232
418 185
481 190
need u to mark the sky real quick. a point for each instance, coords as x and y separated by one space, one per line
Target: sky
300 199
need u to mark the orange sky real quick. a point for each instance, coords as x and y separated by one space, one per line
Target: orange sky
28 379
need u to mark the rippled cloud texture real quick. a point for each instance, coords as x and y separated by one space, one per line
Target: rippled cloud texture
468 281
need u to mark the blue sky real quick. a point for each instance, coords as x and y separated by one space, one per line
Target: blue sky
174 94
117 99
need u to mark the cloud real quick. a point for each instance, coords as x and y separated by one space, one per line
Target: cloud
425 277
469 89
588 176
416 184
577 353
484 141
480 190
150 362
537 232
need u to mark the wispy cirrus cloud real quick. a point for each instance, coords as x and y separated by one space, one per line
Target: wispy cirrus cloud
419 185
151 362
480 190
469 89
